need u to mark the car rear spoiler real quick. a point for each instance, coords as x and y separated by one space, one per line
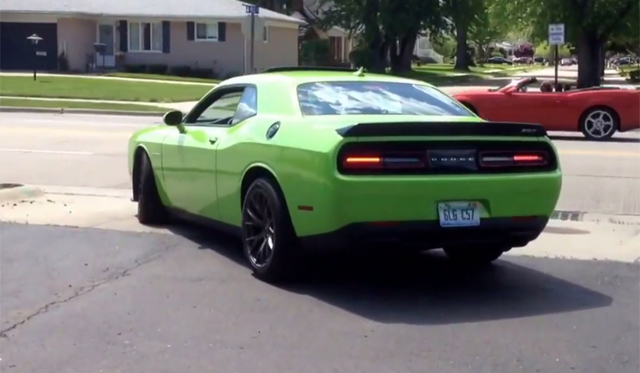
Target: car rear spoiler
442 129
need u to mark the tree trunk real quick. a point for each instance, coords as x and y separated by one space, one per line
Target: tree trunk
482 53
402 53
373 37
462 54
602 53
588 57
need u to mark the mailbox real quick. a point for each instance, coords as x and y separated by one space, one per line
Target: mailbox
99 47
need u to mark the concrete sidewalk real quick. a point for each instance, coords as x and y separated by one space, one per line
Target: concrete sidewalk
159 104
112 209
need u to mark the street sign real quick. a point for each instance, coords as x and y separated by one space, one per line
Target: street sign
556 34
252 9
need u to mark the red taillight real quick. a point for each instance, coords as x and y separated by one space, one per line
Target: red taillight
388 161
527 158
511 159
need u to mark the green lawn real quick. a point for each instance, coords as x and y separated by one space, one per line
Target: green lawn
16 102
629 68
172 78
99 89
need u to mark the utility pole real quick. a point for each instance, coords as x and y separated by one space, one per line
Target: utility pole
252 10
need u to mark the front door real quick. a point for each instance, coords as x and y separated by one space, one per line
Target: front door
544 108
106 36
189 158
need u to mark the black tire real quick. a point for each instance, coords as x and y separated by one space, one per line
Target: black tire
265 202
151 211
583 123
474 256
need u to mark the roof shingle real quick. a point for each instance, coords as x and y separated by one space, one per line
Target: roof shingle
230 9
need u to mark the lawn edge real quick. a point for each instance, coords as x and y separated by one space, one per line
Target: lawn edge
17 109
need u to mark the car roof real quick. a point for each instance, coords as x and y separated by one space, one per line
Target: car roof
311 76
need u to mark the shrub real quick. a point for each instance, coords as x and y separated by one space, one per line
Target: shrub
184 70
360 57
314 52
135 68
157 68
202 72
63 62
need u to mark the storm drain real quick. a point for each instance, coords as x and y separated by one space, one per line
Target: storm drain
568 215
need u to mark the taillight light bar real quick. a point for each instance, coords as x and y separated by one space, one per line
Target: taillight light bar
386 161
513 159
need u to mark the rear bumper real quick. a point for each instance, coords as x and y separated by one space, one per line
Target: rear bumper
348 201
507 232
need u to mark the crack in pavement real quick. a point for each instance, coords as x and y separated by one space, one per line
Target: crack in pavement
84 290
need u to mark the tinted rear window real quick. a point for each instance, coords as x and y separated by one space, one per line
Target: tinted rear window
345 98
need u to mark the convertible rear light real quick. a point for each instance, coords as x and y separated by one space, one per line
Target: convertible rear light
513 159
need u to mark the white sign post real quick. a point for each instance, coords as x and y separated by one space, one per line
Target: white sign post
556 37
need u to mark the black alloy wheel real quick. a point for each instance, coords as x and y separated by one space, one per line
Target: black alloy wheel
269 240
260 229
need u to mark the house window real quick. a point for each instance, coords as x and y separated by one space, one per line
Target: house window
265 34
145 36
206 31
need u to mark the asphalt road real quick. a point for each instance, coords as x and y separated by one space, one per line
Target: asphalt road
91 151
112 300
107 301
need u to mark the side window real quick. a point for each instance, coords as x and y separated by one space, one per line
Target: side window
248 105
222 108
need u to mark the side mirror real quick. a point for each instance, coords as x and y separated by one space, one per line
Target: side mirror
173 118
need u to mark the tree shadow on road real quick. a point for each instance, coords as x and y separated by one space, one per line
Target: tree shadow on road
410 288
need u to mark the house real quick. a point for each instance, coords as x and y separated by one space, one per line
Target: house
207 34
311 12
425 52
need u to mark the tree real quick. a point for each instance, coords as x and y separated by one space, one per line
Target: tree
545 50
589 24
472 20
388 28
402 21
487 27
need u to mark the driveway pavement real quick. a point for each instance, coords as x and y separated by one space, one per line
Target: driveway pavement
85 288
91 300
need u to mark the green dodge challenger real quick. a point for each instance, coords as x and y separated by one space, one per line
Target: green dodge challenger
299 159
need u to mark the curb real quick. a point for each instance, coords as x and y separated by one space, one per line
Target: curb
590 217
8 109
20 192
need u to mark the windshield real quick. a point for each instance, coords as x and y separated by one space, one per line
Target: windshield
345 98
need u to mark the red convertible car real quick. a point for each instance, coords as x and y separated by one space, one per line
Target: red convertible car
596 112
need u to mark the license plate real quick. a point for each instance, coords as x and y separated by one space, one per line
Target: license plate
459 214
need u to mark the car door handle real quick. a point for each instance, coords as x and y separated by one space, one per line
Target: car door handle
212 140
